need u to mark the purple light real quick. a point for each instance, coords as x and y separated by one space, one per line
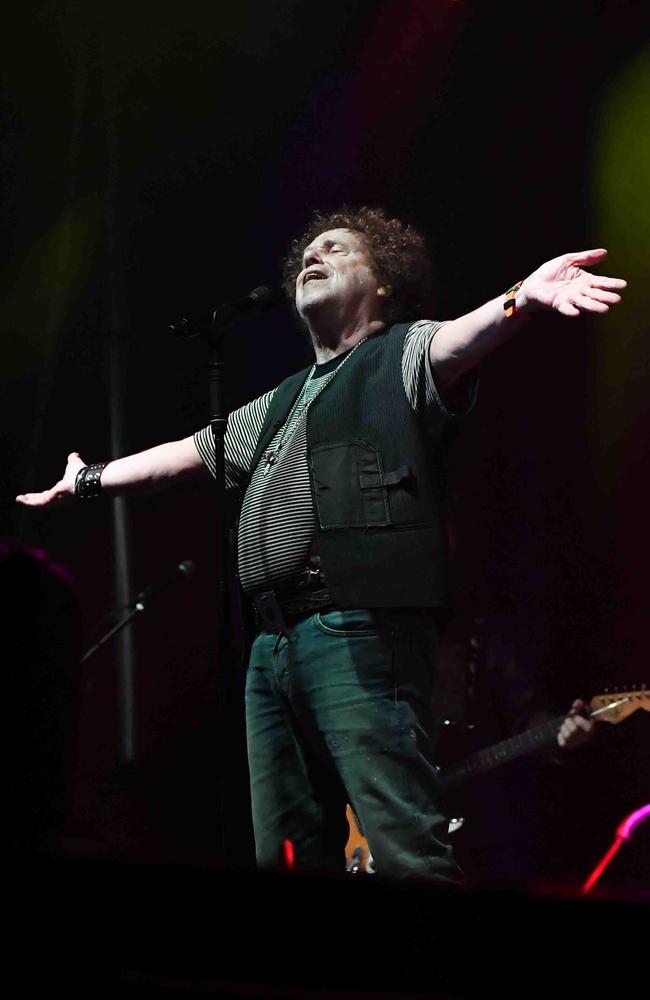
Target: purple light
623 832
630 822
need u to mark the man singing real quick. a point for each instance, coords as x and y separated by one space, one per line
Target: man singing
341 549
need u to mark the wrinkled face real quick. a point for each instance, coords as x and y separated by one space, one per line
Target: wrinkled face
336 275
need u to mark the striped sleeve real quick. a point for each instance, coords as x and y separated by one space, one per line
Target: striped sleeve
242 433
419 383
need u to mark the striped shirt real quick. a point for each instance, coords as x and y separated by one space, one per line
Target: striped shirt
277 523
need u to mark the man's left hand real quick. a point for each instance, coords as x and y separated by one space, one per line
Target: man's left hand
562 284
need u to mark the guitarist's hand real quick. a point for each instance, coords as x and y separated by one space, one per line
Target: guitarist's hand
577 728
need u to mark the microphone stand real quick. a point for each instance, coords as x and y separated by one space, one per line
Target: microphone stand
136 609
212 329
218 423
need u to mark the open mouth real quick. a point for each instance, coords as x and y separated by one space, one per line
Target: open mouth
313 275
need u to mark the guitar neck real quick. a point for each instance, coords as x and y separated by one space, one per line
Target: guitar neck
612 707
539 738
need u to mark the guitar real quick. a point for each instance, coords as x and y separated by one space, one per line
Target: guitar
611 706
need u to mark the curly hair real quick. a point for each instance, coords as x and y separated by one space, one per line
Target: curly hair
398 257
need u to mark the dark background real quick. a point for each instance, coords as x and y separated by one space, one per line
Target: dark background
157 159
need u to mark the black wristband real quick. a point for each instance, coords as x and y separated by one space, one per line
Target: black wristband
510 303
88 483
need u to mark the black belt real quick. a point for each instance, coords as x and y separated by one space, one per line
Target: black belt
276 610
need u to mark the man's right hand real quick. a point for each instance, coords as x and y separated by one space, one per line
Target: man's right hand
148 471
62 492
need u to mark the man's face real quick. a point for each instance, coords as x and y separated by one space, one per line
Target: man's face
336 277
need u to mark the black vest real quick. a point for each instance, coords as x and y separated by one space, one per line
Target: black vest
376 479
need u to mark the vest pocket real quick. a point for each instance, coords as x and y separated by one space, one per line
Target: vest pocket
349 485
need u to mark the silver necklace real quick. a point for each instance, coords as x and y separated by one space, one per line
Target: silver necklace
271 456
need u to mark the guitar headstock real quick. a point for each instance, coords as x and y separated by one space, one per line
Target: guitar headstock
614 706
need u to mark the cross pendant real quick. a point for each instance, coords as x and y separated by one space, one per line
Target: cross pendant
270 457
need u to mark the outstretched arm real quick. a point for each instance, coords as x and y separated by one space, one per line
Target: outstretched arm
560 285
146 472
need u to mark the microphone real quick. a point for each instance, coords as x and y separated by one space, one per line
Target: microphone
223 316
184 571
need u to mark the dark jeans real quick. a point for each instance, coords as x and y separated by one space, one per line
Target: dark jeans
339 710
